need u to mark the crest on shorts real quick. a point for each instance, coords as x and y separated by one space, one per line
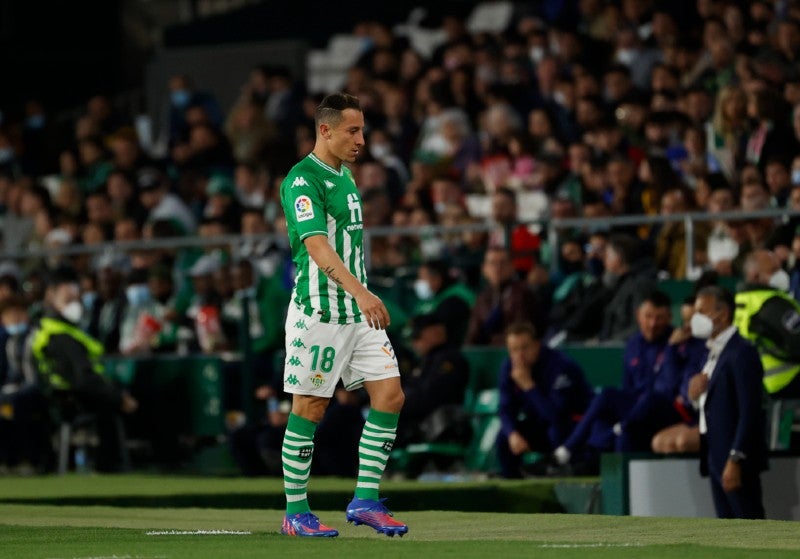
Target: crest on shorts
318 380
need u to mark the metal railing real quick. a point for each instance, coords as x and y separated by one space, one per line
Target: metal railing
553 230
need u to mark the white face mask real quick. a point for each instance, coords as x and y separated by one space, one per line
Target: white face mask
536 54
779 280
701 325
73 312
626 56
379 151
423 290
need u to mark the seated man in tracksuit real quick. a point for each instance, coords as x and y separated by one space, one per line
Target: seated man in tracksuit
645 385
542 395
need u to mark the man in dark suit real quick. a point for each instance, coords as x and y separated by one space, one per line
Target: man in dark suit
729 391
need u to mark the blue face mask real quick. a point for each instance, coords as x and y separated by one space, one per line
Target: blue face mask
35 122
88 299
17 329
6 155
137 295
795 176
180 97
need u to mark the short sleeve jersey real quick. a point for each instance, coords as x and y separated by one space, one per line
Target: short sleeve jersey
320 200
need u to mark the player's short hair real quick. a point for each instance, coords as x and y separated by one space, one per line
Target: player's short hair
330 109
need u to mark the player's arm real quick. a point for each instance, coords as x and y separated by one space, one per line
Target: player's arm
325 257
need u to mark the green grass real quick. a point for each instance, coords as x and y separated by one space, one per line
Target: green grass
40 519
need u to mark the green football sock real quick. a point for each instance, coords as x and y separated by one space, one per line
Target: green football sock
374 448
298 447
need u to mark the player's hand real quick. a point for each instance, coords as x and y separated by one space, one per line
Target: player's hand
698 384
731 476
373 309
517 443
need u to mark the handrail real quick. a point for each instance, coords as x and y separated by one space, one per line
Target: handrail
552 228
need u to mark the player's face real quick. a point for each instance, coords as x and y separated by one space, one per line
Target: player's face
347 138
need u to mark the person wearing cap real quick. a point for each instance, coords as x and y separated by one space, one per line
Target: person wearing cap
160 203
542 395
222 203
70 363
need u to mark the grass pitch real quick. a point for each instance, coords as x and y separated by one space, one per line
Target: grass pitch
50 531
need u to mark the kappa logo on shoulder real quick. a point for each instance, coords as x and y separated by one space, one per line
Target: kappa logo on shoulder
299 181
329 184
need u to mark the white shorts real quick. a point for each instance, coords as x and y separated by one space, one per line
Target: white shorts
318 355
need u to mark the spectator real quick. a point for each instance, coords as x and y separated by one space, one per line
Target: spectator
729 392
107 311
603 426
160 203
442 294
627 280
516 237
503 301
24 423
542 395
184 95
434 387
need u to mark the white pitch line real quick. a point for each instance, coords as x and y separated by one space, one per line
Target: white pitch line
579 545
199 533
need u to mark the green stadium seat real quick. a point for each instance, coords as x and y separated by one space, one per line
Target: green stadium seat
602 364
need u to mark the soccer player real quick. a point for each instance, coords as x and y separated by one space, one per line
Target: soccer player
335 327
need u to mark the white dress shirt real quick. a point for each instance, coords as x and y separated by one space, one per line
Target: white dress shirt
715 347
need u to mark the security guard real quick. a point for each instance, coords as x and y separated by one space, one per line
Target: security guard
69 362
770 318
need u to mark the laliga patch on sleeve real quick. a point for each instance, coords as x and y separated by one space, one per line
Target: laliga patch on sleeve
303 210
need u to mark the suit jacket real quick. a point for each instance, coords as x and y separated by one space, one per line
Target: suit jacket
733 409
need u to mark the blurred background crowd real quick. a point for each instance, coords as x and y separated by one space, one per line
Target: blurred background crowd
534 112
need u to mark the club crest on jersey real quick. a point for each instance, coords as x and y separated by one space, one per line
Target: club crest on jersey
303 209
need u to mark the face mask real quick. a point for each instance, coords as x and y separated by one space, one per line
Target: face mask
779 280
88 299
560 98
137 294
6 155
626 56
379 151
536 54
35 122
795 176
423 290
180 98
16 329
73 312
701 325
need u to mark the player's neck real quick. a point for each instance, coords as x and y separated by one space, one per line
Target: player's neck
327 157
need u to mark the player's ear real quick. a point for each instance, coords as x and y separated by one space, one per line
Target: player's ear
325 131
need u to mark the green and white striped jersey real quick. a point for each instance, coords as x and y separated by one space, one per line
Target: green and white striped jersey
319 200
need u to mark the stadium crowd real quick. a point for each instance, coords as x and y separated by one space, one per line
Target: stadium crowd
590 108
